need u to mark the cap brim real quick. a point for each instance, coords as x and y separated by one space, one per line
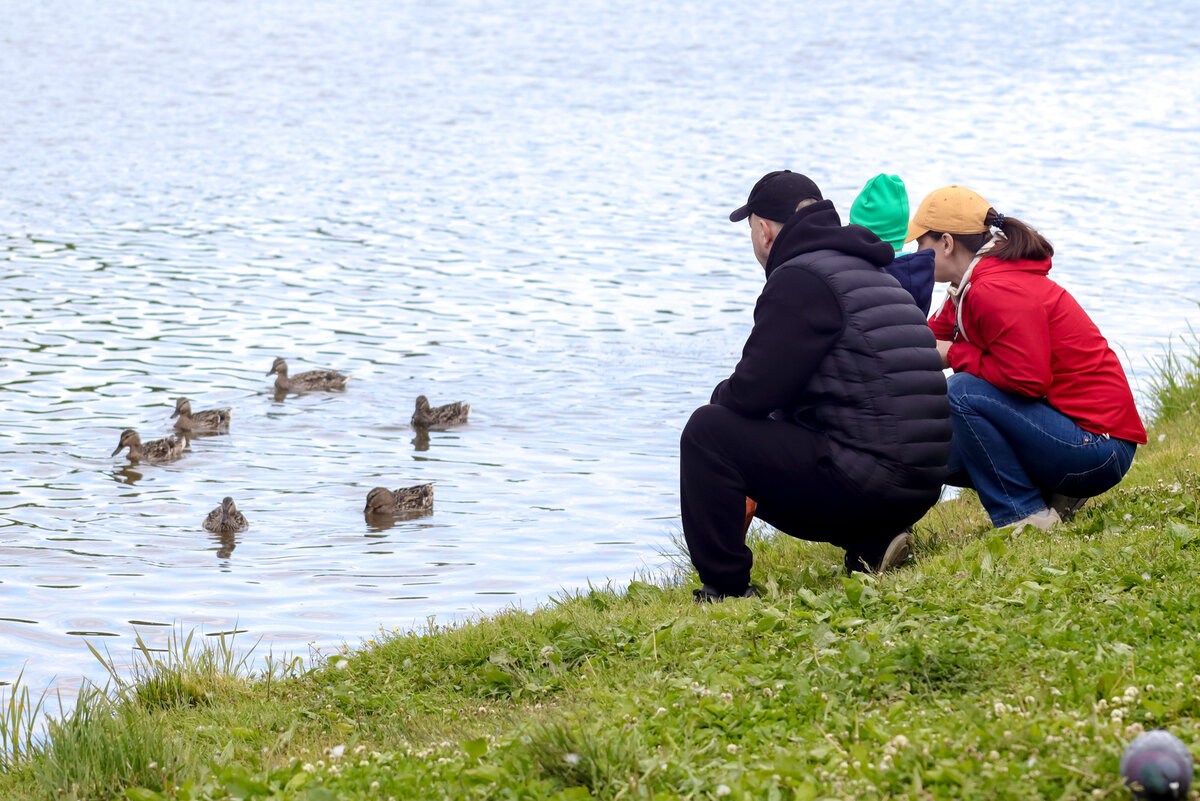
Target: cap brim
915 231
740 214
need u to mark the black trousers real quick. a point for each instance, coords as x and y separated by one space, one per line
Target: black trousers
725 458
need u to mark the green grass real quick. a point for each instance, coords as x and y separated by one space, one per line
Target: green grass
999 665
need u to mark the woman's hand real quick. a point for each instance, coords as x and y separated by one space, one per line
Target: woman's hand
943 347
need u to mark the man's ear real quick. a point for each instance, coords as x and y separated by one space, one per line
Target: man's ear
768 232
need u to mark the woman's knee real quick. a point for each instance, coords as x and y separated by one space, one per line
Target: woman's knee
961 388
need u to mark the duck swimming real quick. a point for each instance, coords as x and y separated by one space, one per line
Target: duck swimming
451 414
204 420
156 450
383 501
302 382
225 519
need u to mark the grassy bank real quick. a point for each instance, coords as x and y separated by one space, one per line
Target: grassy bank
1000 665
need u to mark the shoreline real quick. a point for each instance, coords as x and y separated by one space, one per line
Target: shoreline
999 664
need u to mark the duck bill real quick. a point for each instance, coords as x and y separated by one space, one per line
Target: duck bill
175 413
118 450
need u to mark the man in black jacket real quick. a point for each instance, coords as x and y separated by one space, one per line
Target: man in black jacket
835 420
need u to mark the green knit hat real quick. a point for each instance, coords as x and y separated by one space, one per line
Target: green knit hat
882 207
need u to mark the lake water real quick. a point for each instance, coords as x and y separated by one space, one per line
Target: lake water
524 208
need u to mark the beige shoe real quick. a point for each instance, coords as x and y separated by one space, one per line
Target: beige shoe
1043 520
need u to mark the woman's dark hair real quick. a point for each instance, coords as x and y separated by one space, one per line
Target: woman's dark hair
1022 242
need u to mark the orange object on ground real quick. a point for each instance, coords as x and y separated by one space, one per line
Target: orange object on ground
751 508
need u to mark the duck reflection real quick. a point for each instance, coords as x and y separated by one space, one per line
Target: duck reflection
127 475
226 542
421 440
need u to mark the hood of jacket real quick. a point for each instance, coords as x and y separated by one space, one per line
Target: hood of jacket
818 227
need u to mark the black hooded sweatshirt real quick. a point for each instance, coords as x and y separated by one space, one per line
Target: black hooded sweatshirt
797 319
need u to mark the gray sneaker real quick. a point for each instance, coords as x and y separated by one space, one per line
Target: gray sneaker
897 552
1066 506
1043 519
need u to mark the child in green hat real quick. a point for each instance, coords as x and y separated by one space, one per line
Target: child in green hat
882 208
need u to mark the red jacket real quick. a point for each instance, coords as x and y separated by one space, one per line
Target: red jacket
1023 333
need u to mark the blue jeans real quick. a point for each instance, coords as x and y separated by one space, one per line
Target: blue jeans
1017 451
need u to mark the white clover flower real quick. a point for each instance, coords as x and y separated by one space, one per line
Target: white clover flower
1131 694
726 696
732 748
660 710
308 767
335 752
374 787
341 664
571 758
723 790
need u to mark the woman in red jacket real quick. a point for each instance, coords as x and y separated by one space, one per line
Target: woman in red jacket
1042 412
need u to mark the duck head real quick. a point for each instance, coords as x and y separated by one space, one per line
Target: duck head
278 366
183 408
379 500
422 403
129 438
228 510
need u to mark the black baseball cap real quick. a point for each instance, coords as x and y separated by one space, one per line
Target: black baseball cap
776 196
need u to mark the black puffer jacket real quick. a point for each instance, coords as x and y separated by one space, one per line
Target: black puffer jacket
839 346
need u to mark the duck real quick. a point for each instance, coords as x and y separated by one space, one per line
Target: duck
204 420
302 382
225 519
156 450
383 501
451 414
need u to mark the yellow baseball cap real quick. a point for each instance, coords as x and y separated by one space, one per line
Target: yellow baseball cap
949 210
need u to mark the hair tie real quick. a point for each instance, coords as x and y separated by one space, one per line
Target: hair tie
998 223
